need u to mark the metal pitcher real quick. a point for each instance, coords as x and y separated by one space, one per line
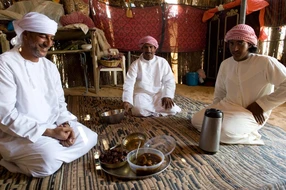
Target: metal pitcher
211 129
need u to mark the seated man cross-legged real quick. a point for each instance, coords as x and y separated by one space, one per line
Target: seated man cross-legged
248 87
150 85
37 132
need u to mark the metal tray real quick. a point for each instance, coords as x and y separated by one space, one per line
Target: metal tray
126 173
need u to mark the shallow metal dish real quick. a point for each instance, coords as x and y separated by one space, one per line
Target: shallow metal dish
132 141
113 166
112 116
125 172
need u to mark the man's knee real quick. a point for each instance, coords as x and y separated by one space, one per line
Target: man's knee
42 167
140 112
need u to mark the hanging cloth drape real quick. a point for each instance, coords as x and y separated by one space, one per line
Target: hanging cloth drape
275 13
252 6
177 28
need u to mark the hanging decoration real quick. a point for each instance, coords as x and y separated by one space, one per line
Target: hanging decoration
129 13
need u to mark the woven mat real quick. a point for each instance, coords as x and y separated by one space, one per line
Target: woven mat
232 167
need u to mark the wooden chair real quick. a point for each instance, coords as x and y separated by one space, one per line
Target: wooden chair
97 67
120 68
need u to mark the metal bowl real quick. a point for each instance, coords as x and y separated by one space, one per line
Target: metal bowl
113 166
132 141
112 116
113 158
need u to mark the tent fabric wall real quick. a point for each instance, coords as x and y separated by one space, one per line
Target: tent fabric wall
275 13
178 28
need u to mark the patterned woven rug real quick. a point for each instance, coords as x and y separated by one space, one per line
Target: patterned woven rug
232 167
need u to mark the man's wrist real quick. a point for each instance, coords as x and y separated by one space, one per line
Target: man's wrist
66 123
48 132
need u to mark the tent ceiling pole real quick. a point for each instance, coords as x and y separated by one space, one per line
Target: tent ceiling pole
242 11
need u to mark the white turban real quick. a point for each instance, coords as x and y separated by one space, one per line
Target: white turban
33 22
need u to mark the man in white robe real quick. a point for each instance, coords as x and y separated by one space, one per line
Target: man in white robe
149 88
37 132
244 89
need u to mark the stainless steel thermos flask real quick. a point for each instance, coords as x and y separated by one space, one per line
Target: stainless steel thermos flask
211 129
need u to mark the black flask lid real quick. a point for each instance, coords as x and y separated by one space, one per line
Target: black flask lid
213 113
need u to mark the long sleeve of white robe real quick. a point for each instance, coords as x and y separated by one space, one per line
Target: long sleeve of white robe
32 98
149 77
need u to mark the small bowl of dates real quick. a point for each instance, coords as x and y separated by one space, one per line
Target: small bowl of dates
113 158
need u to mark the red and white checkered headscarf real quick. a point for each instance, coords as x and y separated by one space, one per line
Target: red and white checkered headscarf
148 40
242 32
